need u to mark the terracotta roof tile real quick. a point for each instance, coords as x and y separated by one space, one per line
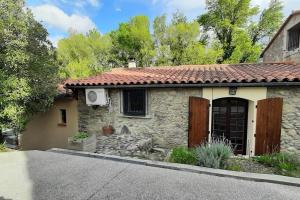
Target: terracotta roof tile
195 74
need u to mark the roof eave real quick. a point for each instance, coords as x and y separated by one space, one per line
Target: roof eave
198 85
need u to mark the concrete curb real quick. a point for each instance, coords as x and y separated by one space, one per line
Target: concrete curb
283 180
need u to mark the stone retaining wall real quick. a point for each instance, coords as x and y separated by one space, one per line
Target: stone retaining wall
290 130
166 121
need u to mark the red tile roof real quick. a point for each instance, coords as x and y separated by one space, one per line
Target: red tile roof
194 74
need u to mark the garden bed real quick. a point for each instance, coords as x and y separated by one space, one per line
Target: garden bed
219 155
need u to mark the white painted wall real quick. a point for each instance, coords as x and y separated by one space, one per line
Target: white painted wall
253 94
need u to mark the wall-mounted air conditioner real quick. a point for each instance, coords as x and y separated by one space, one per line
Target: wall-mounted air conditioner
97 97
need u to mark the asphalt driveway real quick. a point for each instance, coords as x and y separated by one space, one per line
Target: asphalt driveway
47 175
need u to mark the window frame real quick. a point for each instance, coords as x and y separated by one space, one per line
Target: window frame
296 30
123 101
62 117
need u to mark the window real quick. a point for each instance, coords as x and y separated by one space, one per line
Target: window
63 116
294 38
134 102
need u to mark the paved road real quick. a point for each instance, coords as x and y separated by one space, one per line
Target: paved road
45 175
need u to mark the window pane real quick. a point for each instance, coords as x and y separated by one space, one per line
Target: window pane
134 102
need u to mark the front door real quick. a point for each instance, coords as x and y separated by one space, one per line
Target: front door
229 121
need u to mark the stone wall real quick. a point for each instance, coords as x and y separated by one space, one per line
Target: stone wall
275 51
166 120
290 131
278 52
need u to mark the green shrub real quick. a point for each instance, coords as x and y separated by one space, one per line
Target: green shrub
80 136
286 163
183 155
214 154
2 148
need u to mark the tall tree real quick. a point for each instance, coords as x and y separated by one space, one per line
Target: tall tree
179 42
133 40
269 21
162 49
82 55
229 19
28 75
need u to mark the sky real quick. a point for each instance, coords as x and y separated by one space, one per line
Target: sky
59 16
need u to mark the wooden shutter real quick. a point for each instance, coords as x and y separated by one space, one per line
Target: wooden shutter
198 121
268 126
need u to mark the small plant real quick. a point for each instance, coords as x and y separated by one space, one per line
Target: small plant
2 147
234 168
285 163
214 154
80 136
183 155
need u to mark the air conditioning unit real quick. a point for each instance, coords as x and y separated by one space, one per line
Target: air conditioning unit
97 97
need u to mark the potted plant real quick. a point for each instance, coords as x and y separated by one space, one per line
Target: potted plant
107 130
82 141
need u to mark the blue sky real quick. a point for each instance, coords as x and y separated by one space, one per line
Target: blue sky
59 16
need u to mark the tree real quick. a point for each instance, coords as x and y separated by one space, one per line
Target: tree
198 54
229 19
82 55
180 35
269 21
162 49
133 40
179 43
28 76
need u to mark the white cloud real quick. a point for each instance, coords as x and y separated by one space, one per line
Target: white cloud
55 17
118 9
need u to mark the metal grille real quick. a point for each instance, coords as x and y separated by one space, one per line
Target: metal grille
230 122
134 102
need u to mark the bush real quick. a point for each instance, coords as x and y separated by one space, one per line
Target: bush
214 154
80 136
2 148
286 163
183 155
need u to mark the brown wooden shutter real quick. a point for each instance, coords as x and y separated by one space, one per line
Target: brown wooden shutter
198 121
268 126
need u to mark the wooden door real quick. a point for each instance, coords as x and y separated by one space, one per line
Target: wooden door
268 126
198 121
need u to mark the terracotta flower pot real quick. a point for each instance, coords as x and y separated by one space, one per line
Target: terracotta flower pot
107 130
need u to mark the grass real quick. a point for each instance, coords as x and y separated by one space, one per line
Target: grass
285 163
183 155
237 168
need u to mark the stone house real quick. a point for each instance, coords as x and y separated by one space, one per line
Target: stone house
284 46
255 106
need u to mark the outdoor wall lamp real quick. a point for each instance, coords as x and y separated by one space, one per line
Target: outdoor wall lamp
232 90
